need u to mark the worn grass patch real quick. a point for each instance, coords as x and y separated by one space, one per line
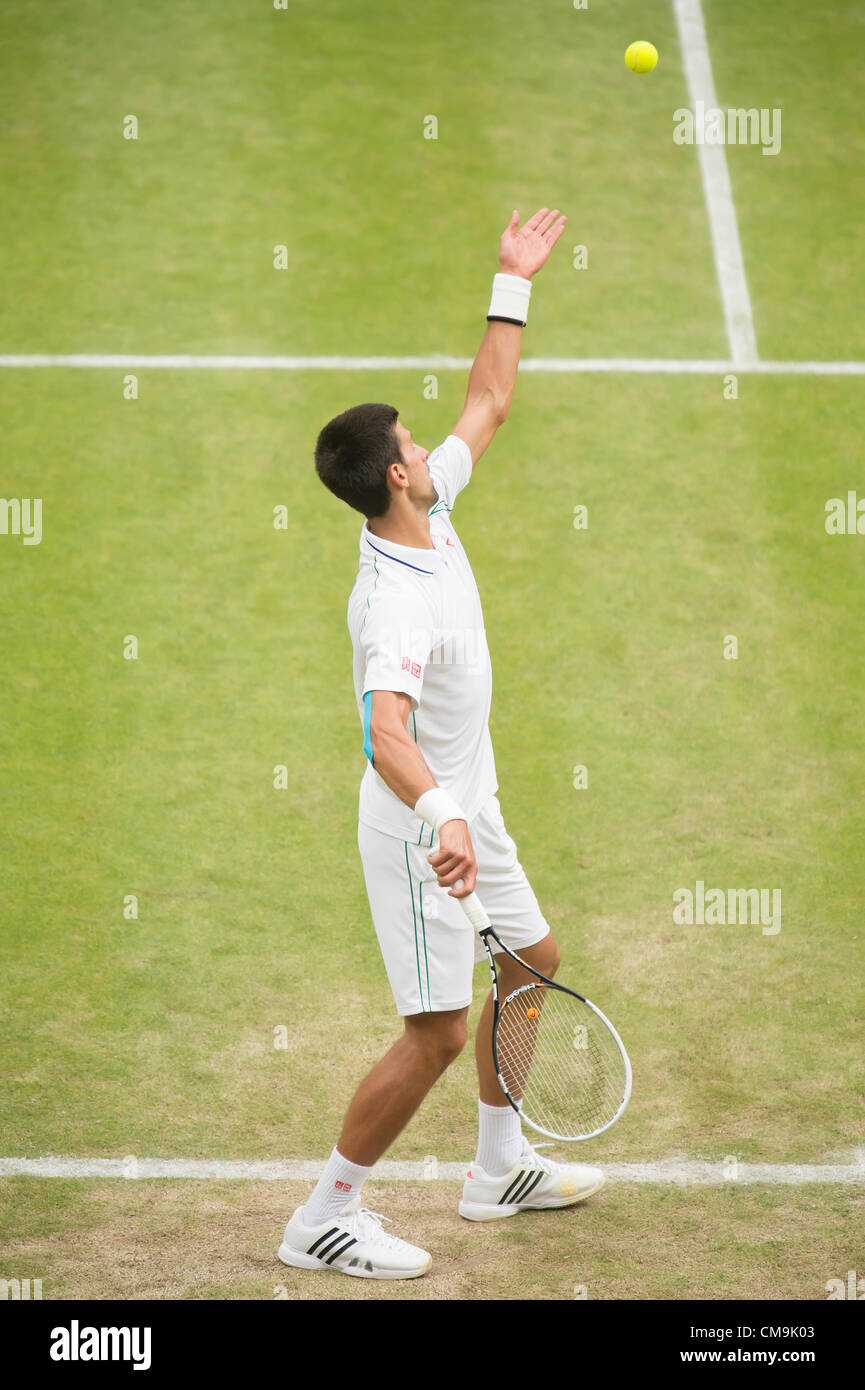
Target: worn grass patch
218 1240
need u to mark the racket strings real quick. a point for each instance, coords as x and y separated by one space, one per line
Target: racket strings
559 1061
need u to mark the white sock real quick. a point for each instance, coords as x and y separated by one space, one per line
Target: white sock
338 1184
500 1139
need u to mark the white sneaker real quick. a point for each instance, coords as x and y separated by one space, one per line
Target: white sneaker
352 1243
532 1185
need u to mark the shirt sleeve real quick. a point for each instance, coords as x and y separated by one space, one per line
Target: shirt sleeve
450 467
396 643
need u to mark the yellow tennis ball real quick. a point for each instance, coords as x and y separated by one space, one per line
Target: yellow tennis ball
641 56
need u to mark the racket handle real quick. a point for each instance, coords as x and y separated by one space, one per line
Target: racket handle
473 908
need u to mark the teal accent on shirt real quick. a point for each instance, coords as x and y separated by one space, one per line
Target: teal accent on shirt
367 717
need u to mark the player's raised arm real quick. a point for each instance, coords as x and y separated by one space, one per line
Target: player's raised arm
522 252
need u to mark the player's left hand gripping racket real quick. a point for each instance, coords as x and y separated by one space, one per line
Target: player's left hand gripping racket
559 1060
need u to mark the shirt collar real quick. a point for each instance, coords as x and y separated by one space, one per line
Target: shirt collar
420 561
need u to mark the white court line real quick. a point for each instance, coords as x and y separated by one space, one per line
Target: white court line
678 1171
729 265
433 362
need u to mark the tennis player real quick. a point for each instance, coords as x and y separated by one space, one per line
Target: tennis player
430 827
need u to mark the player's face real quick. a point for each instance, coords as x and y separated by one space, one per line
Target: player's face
414 456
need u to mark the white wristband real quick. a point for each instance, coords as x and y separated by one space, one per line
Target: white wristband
510 299
437 806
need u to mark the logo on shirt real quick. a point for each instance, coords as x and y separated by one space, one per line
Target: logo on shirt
412 666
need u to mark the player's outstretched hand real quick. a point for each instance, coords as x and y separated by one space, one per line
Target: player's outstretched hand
523 250
455 859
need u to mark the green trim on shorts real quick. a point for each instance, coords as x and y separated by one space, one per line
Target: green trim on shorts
423 925
425 1008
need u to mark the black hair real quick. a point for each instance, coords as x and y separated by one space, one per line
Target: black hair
353 454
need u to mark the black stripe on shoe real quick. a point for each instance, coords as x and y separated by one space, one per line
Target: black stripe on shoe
516 1182
525 1187
342 1249
316 1243
326 1249
531 1187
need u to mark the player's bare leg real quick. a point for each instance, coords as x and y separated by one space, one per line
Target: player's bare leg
391 1093
333 1230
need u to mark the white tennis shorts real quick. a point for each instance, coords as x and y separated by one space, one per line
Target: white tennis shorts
428 944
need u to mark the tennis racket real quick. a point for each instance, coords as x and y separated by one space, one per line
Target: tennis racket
559 1060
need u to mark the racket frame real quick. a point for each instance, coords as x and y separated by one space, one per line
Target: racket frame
480 921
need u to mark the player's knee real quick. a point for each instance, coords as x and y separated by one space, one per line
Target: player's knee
451 1039
441 1036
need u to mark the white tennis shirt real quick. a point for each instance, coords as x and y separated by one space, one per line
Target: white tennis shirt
417 626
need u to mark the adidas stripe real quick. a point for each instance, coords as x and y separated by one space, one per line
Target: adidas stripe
316 1243
523 1184
343 1240
342 1249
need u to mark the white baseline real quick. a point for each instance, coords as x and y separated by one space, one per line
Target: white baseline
681 1172
430 362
